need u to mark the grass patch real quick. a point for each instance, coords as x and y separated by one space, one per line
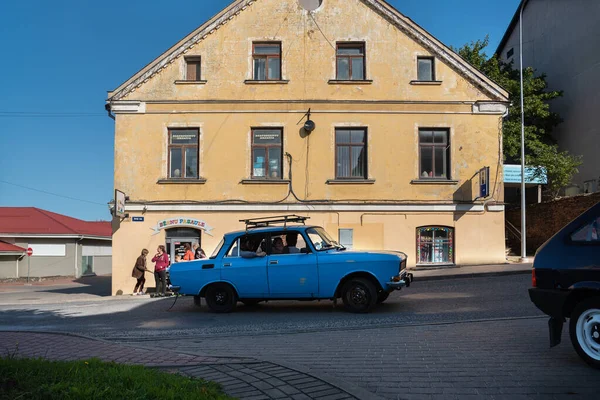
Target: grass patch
93 379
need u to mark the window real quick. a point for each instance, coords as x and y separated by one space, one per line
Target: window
425 69
192 69
267 61
346 237
248 245
434 151
320 239
183 153
350 61
435 245
87 265
351 153
510 53
590 233
48 250
289 242
266 154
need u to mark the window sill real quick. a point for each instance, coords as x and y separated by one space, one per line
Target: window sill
191 181
273 82
433 182
265 181
190 82
350 181
426 83
350 82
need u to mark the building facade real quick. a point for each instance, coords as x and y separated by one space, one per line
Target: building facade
62 246
217 129
561 39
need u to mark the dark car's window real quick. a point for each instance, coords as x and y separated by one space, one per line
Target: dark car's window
589 233
287 242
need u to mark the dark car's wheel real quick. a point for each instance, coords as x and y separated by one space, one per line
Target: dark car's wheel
250 302
584 329
220 298
359 295
382 296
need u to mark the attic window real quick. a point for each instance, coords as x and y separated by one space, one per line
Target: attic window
510 53
425 69
192 69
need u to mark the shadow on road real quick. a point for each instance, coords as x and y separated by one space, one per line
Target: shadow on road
93 285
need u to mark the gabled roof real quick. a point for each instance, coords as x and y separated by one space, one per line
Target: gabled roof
384 9
513 23
34 221
10 248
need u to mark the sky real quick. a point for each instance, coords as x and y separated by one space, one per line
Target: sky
60 57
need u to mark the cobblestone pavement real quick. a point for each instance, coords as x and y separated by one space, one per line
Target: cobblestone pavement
243 378
504 359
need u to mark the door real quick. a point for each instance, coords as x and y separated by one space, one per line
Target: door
176 247
292 274
245 266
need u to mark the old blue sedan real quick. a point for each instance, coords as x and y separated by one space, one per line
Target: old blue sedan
282 258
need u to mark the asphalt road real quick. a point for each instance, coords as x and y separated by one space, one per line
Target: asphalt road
423 303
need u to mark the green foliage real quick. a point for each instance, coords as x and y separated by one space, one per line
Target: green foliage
93 379
540 147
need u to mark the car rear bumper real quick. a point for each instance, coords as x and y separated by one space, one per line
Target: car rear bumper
400 281
550 301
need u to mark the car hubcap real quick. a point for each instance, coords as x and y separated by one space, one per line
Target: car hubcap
221 298
359 295
588 333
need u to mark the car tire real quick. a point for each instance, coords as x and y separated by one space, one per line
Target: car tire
220 298
250 302
359 295
382 296
584 330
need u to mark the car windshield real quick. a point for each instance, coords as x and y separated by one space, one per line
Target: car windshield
321 239
216 252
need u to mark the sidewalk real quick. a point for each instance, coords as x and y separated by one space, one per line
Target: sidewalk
244 378
470 271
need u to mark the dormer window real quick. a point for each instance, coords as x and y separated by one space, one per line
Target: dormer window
192 69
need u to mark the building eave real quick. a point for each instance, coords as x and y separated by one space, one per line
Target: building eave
513 22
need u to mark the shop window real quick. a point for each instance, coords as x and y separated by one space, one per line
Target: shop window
435 245
267 61
434 153
267 154
346 237
183 153
350 63
351 153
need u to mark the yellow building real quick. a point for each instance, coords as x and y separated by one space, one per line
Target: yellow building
213 131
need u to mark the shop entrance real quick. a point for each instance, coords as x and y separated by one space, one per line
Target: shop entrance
176 240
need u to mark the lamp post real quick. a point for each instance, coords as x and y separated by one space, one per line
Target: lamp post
523 202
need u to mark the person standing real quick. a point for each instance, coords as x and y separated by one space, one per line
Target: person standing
189 254
139 273
198 252
160 274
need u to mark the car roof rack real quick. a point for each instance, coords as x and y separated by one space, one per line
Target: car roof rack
268 221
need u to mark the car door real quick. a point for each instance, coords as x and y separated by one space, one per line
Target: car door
248 275
292 274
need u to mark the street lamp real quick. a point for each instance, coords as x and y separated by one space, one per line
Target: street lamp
523 203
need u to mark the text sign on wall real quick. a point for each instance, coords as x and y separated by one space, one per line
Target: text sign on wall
182 222
512 174
137 219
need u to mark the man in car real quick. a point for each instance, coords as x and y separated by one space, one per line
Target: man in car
291 239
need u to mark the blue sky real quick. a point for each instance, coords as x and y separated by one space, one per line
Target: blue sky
60 58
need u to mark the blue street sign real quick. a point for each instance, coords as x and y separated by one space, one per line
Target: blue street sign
512 174
137 219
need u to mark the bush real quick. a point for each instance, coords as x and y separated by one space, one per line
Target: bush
94 379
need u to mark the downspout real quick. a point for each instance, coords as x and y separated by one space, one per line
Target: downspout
76 254
19 259
109 111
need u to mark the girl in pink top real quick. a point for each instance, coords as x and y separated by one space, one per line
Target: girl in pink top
160 274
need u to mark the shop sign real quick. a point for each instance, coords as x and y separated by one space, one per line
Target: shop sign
182 222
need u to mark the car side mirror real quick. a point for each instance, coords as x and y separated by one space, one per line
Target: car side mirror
305 250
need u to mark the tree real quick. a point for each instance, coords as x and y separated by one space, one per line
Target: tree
541 149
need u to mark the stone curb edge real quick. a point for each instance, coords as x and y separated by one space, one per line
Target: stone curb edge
470 275
358 392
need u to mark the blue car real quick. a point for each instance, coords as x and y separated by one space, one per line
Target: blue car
282 258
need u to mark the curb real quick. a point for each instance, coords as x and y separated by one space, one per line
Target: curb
470 275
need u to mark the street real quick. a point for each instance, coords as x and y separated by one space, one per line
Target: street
454 338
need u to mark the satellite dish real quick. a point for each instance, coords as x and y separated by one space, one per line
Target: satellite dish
309 126
310 5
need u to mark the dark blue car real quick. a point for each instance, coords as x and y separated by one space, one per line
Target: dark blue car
566 284
293 261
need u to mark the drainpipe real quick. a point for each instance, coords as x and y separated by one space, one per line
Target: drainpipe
76 252
19 259
108 110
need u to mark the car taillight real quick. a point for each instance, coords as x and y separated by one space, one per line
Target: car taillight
533 278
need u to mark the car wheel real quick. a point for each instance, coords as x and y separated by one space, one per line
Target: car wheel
382 296
220 298
584 329
250 302
359 295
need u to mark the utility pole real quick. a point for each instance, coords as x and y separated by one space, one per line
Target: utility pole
523 202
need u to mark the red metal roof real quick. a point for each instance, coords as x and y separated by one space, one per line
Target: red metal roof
10 248
34 221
